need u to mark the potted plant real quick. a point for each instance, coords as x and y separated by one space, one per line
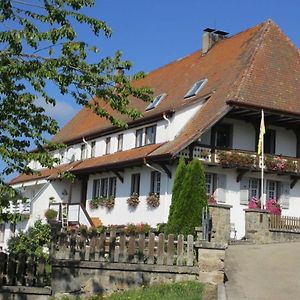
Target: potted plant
51 215
133 201
153 200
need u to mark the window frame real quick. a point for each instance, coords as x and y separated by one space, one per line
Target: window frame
252 188
194 90
83 151
156 101
152 134
107 145
139 137
229 128
211 185
270 141
135 183
96 188
120 142
155 182
274 190
93 148
112 187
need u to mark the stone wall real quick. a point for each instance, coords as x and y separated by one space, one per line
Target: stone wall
24 293
220 214
257 225
90 278
258 229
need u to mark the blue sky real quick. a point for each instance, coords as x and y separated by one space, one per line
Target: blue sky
154 33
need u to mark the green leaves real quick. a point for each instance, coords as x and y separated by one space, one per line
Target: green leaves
39 49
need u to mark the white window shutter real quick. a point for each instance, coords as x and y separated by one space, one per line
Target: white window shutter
244 191
221 188
284 198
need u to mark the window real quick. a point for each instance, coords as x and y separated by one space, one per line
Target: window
209 183
139 138
83 151
224 135
155 182
135 183
62 155
120 142
107 147
271 191
2 229
195 88
269 141
156 101
104 187
254 188
150 135
93 148
112 186
96 188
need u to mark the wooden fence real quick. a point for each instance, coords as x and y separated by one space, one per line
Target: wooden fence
110 247
283 223
22 270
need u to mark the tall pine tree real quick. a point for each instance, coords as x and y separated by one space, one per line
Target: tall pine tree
177 186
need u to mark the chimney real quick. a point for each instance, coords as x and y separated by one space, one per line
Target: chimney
210 37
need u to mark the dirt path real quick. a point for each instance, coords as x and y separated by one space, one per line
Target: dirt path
263 272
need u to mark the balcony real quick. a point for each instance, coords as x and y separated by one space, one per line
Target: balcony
242 159
20 207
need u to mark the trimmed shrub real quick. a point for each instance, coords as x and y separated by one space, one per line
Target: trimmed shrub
192 198
172 226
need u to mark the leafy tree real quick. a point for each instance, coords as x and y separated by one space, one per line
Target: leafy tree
32 241
172 225
40 52
192 198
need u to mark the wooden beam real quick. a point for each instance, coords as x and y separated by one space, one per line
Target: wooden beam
165 168
241 173
119 176
294 181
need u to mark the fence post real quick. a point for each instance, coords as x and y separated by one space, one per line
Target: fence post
170 250
161 250
151 245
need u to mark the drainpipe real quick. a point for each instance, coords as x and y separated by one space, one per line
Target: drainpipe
87 146
167 183
169 122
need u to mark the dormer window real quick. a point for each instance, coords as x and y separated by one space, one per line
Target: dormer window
156 101
195 88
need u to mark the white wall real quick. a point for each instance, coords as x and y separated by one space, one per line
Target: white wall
121 214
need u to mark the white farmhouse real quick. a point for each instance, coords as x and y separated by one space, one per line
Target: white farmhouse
206 106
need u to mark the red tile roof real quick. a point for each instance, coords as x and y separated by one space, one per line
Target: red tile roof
53 173
117 159
223 66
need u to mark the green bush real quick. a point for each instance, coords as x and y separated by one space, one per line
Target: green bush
51 214
188 204
172 225
32 241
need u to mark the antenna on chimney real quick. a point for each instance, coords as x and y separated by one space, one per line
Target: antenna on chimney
210 37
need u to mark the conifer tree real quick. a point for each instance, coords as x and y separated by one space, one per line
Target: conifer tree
177 186
191 200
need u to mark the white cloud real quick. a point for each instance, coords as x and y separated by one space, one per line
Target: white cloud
62 112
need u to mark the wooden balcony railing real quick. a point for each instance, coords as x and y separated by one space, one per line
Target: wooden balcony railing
242 159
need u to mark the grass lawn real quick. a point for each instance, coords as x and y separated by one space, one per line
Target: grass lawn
189 290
